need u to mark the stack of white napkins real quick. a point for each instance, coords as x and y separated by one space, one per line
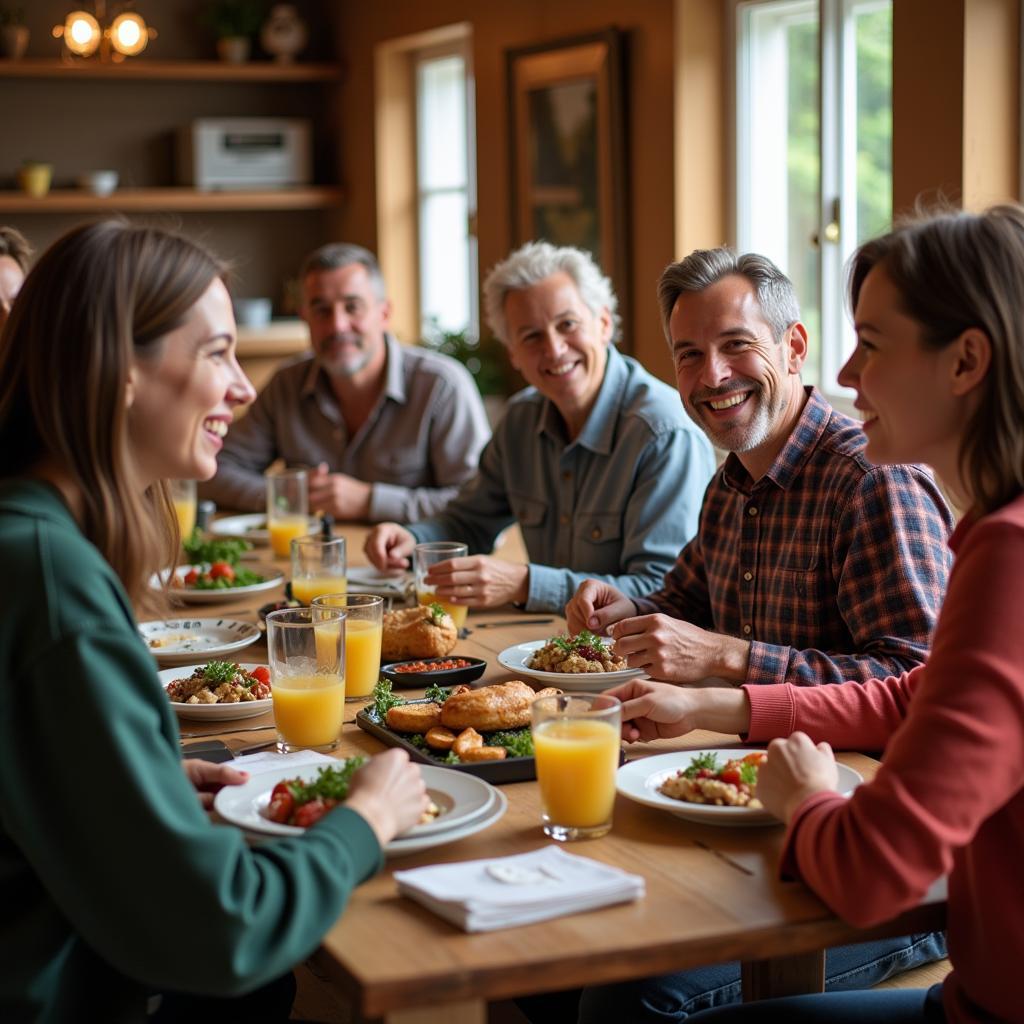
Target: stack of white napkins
268 760
484 895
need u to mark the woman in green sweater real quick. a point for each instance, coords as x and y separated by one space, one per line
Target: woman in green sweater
117 372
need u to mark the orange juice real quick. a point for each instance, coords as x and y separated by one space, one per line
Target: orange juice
305 588
185 510
283 530
576 764
458 612
362 656
309 710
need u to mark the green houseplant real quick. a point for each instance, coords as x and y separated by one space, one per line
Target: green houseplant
234 23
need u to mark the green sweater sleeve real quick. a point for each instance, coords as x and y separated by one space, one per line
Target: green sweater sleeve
96 803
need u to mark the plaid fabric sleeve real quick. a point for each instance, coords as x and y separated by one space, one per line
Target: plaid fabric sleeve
684 592
891 560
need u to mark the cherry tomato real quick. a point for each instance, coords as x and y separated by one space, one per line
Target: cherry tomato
222 570
757 758
309 813
190 578
262 673
282 804
730 775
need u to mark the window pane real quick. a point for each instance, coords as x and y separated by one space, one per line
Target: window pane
779 175
444 262
442 123
873 32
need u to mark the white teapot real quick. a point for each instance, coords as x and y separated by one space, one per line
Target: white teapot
284 33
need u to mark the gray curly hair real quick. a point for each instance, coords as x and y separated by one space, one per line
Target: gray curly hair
532 263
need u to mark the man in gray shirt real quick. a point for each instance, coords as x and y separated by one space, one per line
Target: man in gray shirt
389 431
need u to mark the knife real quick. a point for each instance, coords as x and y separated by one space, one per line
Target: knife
217 751
512 622
222 732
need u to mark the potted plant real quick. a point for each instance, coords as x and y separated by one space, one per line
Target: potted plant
234 22
13 33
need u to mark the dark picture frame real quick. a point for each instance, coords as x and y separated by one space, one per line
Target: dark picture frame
568 168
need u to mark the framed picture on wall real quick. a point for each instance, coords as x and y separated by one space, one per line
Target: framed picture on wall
568 173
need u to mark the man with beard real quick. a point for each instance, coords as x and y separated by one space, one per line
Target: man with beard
390 430
811 565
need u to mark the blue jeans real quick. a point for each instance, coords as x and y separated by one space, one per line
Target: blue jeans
673 997
889 1006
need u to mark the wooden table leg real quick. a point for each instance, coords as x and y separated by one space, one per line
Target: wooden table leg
783 976
473 1011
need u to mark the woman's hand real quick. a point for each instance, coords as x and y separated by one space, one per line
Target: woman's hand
653 710
389 792
208 778
796 769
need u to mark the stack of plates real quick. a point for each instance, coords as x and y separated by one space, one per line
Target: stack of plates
468 805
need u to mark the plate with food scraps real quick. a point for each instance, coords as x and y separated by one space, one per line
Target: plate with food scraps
220 711
517 660
641 780
184 641
450 671
252 527
180 591
466 804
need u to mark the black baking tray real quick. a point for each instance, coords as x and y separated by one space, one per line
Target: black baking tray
512 769
446 677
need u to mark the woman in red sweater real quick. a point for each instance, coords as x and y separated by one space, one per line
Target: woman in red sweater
939 376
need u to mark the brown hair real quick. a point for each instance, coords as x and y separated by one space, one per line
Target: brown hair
14 244
103 296
954 271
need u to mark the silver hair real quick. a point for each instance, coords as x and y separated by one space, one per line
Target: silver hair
343 254
532 263
705 267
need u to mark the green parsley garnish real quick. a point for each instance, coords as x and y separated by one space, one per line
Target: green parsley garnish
383 700
218 672
219 550
437 613
573 643
748 773
708 761
518 742
451 758
438 694
330 782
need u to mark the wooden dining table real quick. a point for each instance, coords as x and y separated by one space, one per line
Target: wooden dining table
713 894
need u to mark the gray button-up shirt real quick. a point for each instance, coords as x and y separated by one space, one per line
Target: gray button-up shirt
422 439
617 503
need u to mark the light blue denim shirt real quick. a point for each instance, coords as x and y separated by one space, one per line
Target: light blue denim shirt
617 503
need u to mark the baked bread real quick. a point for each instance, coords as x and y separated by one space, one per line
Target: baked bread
417 633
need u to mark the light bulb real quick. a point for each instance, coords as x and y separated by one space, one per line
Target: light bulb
81 33
129 34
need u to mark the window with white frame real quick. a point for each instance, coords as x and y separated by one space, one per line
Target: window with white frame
446 192
814 150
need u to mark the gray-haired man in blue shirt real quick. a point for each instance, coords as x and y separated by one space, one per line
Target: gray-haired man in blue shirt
596 460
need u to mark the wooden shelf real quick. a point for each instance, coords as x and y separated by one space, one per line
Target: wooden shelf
172 200
170 70
278 338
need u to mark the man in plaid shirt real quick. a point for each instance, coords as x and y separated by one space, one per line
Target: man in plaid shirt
811 565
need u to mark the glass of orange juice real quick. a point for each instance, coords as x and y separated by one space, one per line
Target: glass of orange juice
576 738
183 497
425 556
363 634
306 648
318 567
287 508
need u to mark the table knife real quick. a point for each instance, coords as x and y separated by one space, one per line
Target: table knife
512 622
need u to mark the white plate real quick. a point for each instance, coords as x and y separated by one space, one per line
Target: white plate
184 640
471 803
213 712
515 659
252 527
274 578
639 780
366 579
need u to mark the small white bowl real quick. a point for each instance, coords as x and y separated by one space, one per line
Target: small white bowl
99 183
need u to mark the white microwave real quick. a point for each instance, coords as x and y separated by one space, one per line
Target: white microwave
245 152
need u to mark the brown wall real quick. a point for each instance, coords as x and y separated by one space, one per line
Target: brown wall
648 25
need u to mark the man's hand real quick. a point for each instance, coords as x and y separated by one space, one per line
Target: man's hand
795 770
479 581
389 792
208 778
677 651
656 710
338 494
389 546
595 606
